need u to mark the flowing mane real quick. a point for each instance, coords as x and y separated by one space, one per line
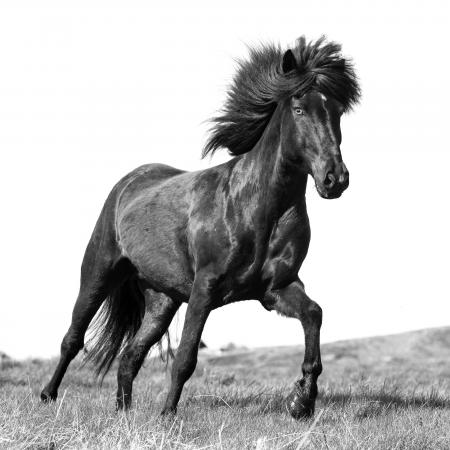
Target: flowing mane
260 84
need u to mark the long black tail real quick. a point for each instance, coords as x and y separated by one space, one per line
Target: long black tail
115 325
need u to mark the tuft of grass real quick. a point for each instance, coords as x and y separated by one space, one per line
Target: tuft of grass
384 393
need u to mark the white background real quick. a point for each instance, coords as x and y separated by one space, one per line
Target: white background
90 90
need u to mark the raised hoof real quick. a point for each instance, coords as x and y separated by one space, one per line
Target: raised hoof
299 404
47 397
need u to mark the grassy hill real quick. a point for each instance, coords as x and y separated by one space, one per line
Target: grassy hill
379 393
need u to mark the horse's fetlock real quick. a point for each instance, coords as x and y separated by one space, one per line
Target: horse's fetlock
314 369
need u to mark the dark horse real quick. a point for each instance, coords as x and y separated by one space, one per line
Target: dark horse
232 232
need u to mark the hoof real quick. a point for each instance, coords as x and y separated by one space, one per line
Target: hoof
299 404
119 407
47 397
122 404
168 412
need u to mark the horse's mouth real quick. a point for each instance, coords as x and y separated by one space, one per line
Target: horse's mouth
329 195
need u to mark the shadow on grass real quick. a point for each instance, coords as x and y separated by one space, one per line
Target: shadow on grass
367 403
7 380
375 403
428 400
263 401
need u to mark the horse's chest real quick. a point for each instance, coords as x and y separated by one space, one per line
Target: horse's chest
267 263
283 262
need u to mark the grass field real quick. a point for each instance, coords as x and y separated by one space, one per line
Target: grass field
379 393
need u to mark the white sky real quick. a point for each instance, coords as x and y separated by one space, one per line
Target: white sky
88 92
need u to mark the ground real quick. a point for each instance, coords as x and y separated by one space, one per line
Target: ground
388 392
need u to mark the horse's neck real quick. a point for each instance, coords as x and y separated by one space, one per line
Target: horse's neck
273 183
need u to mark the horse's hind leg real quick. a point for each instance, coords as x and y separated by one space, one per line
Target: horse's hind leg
99 275
159 312
197 313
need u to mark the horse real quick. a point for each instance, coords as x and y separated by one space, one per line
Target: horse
232 232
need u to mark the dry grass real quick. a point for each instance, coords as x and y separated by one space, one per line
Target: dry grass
380 393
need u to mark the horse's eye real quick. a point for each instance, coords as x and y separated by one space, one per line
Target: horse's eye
299 111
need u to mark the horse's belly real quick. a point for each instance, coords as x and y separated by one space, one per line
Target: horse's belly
152 237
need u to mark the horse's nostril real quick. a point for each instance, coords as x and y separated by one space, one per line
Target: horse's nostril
329 180
343 178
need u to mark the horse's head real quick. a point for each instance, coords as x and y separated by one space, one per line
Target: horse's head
314 140
313 137
307 89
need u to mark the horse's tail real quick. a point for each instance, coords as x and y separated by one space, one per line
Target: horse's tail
115 325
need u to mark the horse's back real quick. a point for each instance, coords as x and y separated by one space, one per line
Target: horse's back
141 179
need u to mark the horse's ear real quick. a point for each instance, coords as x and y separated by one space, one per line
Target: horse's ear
289 62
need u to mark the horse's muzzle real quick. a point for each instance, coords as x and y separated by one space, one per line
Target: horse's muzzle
334 183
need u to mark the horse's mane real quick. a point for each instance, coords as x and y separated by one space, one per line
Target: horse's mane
260 83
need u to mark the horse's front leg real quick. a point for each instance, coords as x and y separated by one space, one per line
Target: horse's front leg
292 301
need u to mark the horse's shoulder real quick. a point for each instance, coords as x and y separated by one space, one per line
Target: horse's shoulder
294 221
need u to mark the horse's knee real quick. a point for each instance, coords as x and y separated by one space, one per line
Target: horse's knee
314 312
